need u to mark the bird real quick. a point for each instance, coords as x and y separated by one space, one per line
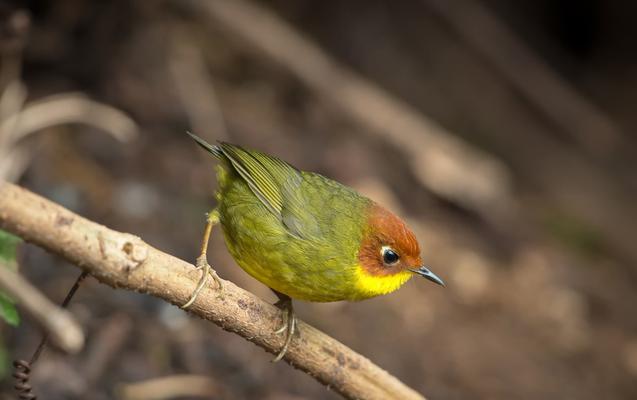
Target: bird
303 235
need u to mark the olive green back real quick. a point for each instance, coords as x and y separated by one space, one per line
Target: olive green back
295 231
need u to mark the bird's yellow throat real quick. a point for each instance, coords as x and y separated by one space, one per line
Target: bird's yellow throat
369 285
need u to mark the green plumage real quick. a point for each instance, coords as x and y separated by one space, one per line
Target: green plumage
297 232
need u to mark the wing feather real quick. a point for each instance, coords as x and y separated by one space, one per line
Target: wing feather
277 184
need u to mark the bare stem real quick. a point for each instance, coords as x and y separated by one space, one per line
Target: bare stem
59 323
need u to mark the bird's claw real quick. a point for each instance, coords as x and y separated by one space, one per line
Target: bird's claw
207 270
282 328
289 327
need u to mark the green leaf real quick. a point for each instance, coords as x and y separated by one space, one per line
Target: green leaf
8 250
8 311
8 246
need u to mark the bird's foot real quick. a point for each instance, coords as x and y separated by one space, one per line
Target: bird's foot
288 326
202 264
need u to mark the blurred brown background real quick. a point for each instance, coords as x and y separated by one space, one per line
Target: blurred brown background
502 131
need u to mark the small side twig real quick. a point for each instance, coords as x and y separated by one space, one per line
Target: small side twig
65 304
23 368
60 324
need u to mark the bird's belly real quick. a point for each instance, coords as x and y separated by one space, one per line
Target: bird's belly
314 289
320 269
310 282
268 253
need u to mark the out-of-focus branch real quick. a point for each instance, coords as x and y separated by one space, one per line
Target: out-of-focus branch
169 387
13 39
443 163
64 330
11 101
195 87
67 108
124 261
14 163
588 125
575 184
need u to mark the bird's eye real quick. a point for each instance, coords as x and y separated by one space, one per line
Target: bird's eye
390 257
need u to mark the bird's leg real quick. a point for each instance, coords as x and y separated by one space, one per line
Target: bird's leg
289 322
202 260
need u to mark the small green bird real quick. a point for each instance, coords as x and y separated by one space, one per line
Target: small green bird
305 236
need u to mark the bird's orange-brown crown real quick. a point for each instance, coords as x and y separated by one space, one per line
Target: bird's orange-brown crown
389 246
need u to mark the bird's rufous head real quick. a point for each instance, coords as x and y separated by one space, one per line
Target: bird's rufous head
389 247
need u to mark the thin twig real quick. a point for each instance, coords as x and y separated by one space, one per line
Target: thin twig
124 261
65 303
23 368
58 323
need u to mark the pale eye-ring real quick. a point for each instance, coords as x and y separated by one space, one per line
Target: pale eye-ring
390 257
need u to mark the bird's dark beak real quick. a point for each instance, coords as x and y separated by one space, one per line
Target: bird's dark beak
424 271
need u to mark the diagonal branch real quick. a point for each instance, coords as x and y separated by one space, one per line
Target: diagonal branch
124 261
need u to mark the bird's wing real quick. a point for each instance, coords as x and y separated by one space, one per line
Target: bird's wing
277 185
298 214
263 174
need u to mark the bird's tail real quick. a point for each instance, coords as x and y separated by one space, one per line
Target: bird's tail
214 150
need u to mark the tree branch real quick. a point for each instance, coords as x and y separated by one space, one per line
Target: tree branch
124 261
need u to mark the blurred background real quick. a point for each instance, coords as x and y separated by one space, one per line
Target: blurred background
502 131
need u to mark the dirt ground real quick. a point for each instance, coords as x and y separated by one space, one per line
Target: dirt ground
539 259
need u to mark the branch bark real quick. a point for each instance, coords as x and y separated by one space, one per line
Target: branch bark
122 260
